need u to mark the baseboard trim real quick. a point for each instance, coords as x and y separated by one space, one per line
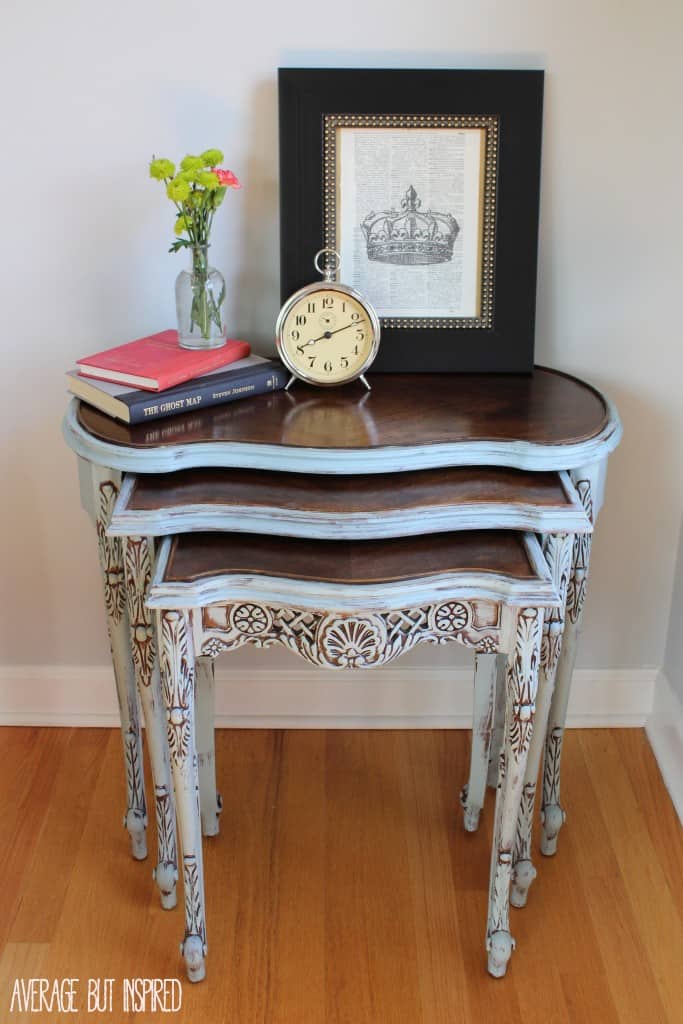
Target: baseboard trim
404 698
664 730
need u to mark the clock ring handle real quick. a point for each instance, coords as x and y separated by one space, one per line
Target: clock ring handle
330 267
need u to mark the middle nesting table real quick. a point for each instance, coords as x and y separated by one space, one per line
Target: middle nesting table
360 509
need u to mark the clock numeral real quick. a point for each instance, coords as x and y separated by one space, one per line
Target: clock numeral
355 350
300 349
311 307
328 302
343 307
301 319
360 335
355 317
328 366
295 334
344 362
311 360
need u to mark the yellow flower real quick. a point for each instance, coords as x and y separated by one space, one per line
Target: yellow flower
178 190
161 169
182 224
191 163
212 157
208 180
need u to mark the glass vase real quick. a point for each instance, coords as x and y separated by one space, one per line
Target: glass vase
199 299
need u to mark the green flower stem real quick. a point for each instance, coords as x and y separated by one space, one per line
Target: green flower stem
205 310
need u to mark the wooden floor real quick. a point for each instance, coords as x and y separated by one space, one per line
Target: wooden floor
343 888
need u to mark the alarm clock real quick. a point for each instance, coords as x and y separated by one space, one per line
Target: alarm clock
327 333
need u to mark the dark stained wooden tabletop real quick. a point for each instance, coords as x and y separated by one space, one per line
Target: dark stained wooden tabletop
545 407
195 556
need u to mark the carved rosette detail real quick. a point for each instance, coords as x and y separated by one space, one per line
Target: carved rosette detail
451 617
110 550
349 641
177 680
250 619
576 593
557 549
138 569
523 679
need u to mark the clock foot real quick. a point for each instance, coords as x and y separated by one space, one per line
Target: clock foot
290 382
362 377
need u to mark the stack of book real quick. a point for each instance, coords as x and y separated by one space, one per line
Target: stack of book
153 377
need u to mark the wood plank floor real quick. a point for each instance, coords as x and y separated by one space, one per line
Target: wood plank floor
343 889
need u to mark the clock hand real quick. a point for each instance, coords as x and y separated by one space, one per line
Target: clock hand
328 334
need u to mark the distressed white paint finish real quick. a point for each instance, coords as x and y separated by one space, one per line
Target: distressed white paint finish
521 686
352 597
558 551
138 555
346 525
209 799
496 744
389 459
105 486
352 640
178 682
473 793
589 482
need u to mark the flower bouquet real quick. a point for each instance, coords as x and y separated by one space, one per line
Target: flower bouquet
196 190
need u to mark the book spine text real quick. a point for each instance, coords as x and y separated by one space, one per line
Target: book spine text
209 393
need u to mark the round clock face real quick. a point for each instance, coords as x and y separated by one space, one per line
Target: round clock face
327 335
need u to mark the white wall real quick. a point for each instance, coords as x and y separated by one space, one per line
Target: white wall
92 90
673 655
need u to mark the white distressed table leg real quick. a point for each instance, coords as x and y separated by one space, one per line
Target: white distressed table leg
558 552
138 557
589 484
106 488
177 680
473 792
498 722
209 799
521 687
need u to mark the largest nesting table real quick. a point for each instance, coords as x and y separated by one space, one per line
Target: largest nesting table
419 454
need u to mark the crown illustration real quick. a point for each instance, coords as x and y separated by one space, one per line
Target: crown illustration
411 237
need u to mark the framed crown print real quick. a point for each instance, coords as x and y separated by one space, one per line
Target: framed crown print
427 185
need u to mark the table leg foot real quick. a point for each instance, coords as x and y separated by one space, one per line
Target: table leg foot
165 875
552 819
193 952
499 947
471 814
136 824
523 875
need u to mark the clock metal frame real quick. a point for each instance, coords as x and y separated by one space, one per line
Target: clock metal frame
310 289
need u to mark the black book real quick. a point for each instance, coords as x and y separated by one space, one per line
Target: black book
253 375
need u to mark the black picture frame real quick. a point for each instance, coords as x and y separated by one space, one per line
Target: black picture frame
308 97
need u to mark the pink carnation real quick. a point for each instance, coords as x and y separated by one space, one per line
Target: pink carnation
226 178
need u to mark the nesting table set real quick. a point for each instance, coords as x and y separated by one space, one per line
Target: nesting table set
349 526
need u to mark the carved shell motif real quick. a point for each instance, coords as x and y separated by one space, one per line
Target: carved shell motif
351 642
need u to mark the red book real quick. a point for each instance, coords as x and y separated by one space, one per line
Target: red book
157 362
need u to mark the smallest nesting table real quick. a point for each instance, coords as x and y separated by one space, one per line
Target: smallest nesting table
348 605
